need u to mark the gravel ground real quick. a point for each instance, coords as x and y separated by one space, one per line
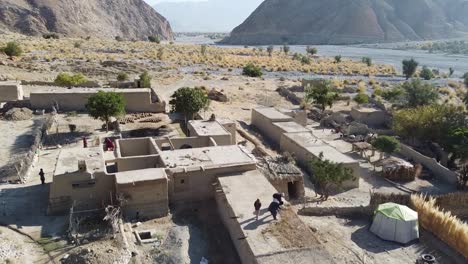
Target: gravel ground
16 248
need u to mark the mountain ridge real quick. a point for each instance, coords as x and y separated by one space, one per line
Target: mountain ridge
350 21
130 19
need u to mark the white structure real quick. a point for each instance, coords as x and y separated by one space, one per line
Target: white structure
395 222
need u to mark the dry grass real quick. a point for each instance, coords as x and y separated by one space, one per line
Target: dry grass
95 50
444 225
291 232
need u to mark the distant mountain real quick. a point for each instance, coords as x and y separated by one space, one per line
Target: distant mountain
102 18
351 21
207 16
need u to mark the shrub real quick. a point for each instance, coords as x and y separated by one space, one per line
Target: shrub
252 70
51 36
409 68
393 94
426 74
203 49
119 38
338 58
77 45
386 144
65 79
145 80
305 60
361 98
311 51
13 49
367 61
417 93
122 76
270 50
154 39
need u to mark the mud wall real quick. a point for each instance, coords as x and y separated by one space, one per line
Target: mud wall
136 102
436 168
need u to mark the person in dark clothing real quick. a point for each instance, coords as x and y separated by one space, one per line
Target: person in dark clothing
279 198
273 208
257 206
42 175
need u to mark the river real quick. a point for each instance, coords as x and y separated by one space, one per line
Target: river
393 57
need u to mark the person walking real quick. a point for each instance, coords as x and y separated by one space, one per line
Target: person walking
257 206
273 208
42 175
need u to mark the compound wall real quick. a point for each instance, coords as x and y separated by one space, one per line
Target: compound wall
139 100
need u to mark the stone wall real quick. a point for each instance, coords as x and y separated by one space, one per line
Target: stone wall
436 168
136 101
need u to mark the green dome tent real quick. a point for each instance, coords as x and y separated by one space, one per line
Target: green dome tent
395 222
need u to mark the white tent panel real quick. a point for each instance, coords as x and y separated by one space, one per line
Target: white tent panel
396 230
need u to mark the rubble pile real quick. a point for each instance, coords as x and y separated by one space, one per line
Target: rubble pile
19 114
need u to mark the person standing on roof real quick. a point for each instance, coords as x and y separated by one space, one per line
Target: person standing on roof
257 206
42 175
273 208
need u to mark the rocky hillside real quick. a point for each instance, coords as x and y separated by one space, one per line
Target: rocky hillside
104 18
351 21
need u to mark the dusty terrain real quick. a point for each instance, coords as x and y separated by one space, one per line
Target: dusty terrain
185 238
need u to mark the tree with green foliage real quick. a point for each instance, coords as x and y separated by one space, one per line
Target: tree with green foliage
321 93
328 175
409 68
122 77
367 61
428 122
457 143
418 93
361 98
311 51
386 145
12 49
393 94
105 105
65 79
426 73
337 58
145 80
270 50
286 49
154 39
252 70
189 101
305 60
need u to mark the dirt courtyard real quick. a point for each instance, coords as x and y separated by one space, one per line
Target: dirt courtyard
351 242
